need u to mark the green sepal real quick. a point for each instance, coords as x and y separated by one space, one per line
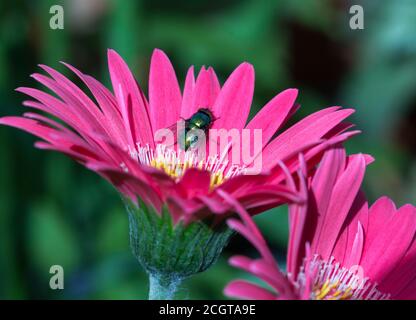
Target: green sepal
173 252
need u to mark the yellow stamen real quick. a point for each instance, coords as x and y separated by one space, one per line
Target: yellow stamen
175 165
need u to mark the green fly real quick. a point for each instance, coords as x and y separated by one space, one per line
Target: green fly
200 120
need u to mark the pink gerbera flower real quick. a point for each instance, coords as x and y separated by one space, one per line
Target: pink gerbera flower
114 135
338 247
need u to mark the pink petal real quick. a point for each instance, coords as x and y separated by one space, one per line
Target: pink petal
381 213
164 94
403 274
267 191
408 293
357 218
390 245
70 92
273 114
232 106
46 120
241 262
354 256
55 107
207 89
253 236
271 274
298 218
312 154
76 152
246 290
187 108
214 204
343 195
323 182
85 110
37 128
187 210
195 182
107 104
332 165
91 119
138 187
308 130
130 100
63 141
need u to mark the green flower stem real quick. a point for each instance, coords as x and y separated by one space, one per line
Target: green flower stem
162 287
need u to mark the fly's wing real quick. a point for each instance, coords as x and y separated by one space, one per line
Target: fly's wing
167 136
170 135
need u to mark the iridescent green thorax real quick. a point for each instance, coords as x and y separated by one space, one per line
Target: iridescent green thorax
201 120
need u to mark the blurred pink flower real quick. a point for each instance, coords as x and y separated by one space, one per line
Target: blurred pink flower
338 247
102 131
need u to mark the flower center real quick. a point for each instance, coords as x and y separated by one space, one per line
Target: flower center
175 163
331 281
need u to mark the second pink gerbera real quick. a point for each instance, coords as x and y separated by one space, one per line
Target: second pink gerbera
339 248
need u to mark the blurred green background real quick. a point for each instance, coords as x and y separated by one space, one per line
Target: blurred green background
53 211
